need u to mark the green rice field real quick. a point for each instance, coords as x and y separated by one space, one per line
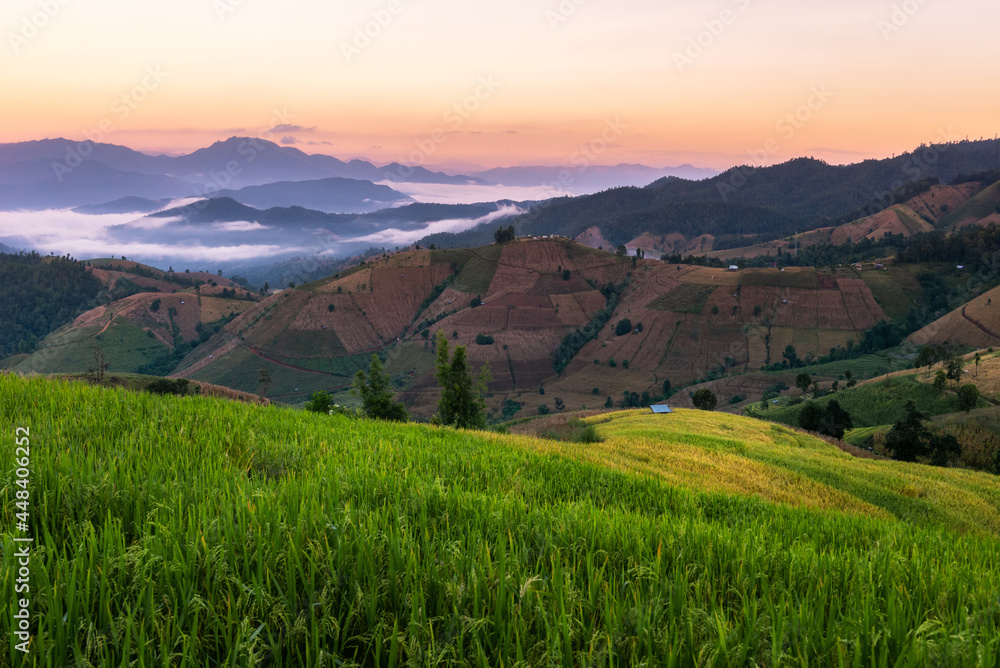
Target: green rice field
188 531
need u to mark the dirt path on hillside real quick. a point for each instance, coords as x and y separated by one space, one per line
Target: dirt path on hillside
978 325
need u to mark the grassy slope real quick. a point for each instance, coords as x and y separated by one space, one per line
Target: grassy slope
881 402
982 205
216 532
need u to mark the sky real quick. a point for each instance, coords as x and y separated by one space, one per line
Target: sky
494 83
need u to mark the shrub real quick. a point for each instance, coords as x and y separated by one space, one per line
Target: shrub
705 400
319 402
623 327
810 416
484 340
178 387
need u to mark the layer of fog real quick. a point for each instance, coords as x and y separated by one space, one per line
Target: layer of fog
397 237
442 193
162 242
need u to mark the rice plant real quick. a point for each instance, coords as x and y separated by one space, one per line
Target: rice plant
190 531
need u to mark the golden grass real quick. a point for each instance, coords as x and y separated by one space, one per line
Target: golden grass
724 453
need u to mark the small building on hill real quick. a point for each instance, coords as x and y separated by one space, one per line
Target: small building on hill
661 410
734 267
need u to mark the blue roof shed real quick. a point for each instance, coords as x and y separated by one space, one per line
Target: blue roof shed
661 409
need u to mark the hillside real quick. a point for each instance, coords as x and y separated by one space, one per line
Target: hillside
765 202
975 324
158 318
543 302
734 545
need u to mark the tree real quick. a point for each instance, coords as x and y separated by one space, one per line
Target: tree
263 380
978 360
461 403
543 410
836 421
940 381
849 376
810 416
968 397
790 356
909 439
666 388
610 403
803 381
565 274
956 366
376 394
319 402
504 235
96 371
331 308
155 306
705 400
621 251
560 404
623 327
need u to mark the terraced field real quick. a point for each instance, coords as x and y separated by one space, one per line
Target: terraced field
195 532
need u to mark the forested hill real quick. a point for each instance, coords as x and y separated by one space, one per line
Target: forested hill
40 295
795 196
812 191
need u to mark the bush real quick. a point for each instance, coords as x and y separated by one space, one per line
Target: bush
484 340
178 387
623 327
705 400
810 416
319 402
968 397
543 410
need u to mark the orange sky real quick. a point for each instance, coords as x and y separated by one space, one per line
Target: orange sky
491 83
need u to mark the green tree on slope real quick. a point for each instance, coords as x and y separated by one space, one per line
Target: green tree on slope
376 394
461 404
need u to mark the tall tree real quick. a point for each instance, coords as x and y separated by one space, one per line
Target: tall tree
376 394
461 403
263 380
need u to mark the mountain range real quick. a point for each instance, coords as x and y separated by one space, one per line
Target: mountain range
60 173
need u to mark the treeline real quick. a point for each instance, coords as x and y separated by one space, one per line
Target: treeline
796 196
41 294
576 340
